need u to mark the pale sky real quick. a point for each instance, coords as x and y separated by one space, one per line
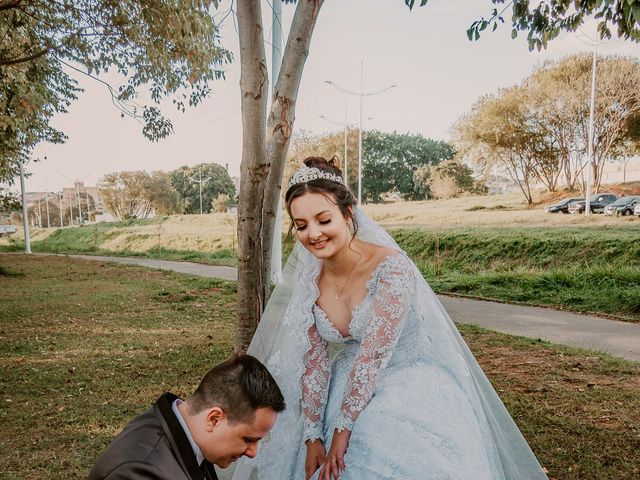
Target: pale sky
439 74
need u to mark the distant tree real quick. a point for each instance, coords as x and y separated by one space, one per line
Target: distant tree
451 179
538 130
496 131
390 160
305 144
186 182
421 182
221 203
163 198
124 194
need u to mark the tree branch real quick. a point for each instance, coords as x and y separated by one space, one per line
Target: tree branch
8 5
28 58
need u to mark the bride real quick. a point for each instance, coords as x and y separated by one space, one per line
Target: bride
378 382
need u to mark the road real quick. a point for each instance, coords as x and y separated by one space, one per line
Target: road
621 339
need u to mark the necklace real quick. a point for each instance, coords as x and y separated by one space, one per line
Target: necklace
340 292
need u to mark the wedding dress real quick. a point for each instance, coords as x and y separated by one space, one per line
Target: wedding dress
403 382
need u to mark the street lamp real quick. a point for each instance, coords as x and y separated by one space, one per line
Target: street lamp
346 126
360 94
200 182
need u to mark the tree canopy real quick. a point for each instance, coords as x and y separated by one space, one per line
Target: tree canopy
164 48
391 158
215 182
548 18
538 130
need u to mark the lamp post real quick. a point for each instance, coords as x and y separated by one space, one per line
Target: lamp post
360 94
592 110
46 200
25 211
200 182
346 126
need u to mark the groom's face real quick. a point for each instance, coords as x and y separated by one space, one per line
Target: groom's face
320 225
226 442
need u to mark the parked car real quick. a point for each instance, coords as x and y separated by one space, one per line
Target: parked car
562 206
7 229
636 210
596 204
622 206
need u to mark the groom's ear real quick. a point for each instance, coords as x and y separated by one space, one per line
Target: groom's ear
214 416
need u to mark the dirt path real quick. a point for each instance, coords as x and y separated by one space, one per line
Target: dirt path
621 339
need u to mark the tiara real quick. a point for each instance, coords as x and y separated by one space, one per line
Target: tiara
306 174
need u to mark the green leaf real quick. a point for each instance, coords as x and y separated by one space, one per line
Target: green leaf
635 8
470 33
495 27
514 33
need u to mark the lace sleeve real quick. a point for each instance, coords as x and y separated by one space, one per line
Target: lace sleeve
390 307
315 384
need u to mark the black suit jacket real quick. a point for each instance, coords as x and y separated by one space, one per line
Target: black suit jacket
152 446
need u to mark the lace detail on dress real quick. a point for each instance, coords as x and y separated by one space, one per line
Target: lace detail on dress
391 303
315 385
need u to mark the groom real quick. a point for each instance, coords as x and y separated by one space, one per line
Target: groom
234 406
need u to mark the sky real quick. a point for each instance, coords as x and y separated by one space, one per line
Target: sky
437 71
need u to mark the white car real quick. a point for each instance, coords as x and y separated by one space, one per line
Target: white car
636 210
7 229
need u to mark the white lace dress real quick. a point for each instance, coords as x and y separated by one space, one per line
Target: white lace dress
403 381
408 413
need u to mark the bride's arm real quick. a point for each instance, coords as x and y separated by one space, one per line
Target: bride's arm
391 304
315 382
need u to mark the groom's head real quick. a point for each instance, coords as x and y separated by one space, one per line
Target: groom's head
234 407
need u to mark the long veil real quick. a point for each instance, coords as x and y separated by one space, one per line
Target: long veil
281 342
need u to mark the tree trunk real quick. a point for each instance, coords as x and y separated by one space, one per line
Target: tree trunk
282 114
254 84
264 151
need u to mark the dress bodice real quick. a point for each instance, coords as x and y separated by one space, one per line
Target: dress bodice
360 312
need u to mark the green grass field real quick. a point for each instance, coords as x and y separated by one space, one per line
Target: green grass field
595 270
85 346
492 247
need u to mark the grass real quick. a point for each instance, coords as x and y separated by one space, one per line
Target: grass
491 247
85 346
585 270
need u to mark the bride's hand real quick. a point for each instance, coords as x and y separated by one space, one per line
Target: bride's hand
315 457
334 463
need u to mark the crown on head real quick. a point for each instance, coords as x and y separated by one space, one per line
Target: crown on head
306 174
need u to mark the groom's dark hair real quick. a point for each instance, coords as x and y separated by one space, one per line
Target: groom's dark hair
239 385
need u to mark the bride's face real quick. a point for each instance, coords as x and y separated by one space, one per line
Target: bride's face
320 225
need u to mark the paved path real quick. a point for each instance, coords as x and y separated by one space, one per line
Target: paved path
621 339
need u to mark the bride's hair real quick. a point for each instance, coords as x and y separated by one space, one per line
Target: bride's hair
335 192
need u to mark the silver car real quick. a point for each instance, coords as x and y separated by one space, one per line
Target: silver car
622 206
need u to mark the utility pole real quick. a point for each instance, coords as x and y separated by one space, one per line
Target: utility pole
590 161
25 211
360 94
46 199
60 208
200 182
71 210
80 219
39 213
276 62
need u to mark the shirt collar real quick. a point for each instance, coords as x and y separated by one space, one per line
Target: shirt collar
183 424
